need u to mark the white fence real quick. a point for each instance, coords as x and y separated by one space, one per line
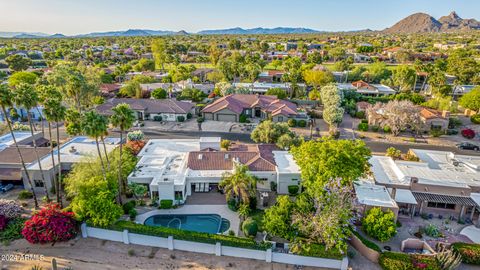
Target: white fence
217 249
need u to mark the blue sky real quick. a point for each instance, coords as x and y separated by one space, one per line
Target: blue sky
83 16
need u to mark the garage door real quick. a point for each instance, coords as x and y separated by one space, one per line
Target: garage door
227 117
208 116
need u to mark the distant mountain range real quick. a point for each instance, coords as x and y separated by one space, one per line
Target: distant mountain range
424 23
415 23
146 32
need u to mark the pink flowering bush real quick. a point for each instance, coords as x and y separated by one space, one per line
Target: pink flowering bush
10 209
50 225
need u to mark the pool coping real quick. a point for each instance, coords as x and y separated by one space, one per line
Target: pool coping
191 209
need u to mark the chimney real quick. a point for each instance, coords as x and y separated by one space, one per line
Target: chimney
445 114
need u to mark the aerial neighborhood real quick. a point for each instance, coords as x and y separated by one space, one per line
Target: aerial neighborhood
267 148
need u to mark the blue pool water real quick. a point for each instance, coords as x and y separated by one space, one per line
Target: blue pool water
208 223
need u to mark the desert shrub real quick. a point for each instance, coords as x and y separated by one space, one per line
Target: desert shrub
436 132
475 118
10 209
360 114
395 261
432 231
166 204
363 126
292 122
250 227
470 252
50 225
13 230
180 118
387 129
157 118
25 195
293 190
302 123
136 135
379 225
393 153
242 118
468 133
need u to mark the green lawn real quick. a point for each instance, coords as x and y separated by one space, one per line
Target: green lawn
257 215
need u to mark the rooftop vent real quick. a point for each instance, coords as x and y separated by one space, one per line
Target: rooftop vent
414 179
455 162
72 149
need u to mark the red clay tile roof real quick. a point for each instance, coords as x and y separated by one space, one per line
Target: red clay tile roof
428 113
362 84
238 102
147 105
257 158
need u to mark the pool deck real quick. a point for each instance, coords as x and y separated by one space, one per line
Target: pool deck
221 210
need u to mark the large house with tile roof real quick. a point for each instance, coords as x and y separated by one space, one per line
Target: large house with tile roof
146 109
175 169
229 108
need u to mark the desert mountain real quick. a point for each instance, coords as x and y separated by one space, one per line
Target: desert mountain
422 23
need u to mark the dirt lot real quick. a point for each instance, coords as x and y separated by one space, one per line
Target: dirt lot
100 254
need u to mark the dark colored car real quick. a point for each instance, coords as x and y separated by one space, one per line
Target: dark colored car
468 146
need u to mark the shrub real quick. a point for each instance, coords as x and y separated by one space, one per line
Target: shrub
128 206
316 250
135 146
374 128
387 129
242 118
475 118
363 126
436 132
379 225
432 231
367 242
292 122
232 204
132 213
136 135
3 222
393 153
360 114
157 118
25 195
250 227
293 190
470 252
364 121
12 230
273 186
200 119
166 204
395 261
50 225
468 133
302 123
189 115
180 118
225 240
10 209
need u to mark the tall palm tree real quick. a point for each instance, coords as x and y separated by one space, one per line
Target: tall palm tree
27 97
240 184
122 118
102 138
54 111
6 100
93 125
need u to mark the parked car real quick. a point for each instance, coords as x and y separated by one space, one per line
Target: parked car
7 188
468 146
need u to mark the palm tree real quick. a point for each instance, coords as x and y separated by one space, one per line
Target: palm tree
102 138
94 126
54 111
6 100
122 118
240 184
27 97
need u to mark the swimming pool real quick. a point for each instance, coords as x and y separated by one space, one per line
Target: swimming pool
208 223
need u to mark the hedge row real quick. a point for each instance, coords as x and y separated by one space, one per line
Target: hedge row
208 238
397 260
470 252
367 242
319 250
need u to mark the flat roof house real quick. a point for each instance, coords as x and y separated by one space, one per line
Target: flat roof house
145 109
229 108
78 149
441 183
175 169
